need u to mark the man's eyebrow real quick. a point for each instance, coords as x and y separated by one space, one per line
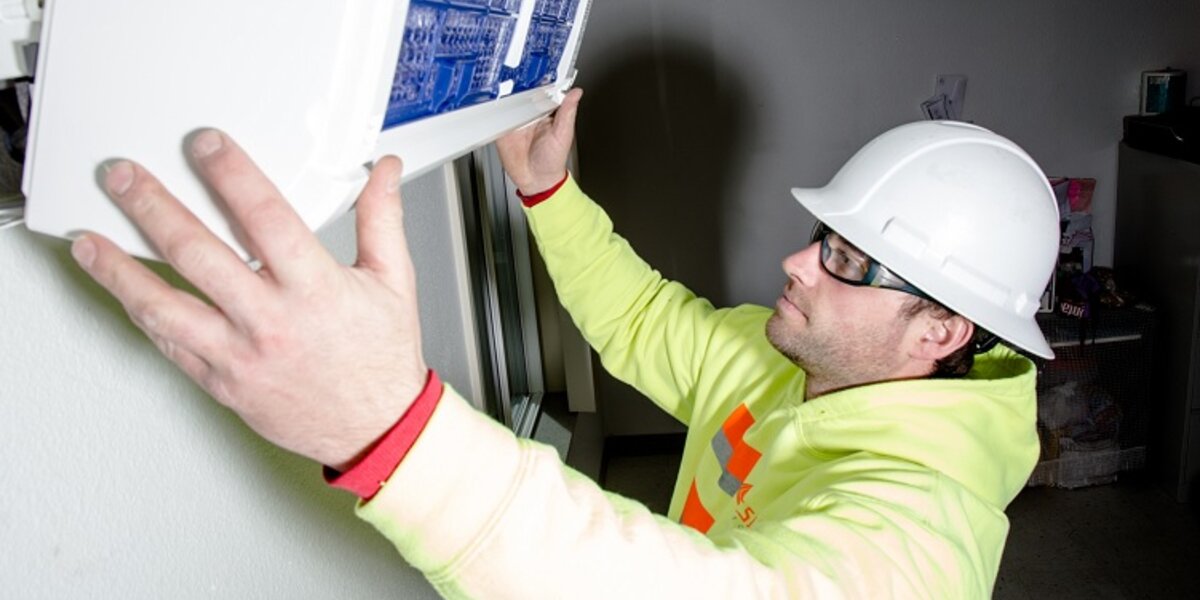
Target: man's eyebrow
849 245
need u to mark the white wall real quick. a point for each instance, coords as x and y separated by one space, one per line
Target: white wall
739 101
122 479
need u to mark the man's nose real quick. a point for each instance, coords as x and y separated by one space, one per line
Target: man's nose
804 266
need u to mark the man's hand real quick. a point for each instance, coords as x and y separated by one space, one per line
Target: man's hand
317 358
535 156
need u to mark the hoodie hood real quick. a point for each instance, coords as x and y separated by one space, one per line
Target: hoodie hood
980 430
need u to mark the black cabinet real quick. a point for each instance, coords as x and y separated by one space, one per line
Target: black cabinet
1157 249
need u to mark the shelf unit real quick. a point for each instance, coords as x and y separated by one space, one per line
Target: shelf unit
1093 400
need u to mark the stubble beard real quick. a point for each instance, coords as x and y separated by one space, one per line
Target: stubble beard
833 359
803 350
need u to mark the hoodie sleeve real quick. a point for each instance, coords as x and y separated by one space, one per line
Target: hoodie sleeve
485 515
649 332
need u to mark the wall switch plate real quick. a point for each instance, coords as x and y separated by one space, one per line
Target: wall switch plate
954 88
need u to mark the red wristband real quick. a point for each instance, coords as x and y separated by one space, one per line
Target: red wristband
367 476
535 199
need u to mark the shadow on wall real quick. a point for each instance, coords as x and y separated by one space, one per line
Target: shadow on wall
662 145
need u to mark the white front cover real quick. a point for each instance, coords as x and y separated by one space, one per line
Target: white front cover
301 86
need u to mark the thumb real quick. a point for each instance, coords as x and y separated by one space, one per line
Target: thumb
382 247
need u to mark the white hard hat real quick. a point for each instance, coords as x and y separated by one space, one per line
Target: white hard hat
957 211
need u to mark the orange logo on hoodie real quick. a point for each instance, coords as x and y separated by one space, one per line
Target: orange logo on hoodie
737 459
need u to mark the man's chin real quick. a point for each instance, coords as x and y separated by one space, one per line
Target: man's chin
776 337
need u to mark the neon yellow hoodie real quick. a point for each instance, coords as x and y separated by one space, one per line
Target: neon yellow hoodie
887 490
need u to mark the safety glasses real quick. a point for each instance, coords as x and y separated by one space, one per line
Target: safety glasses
852 266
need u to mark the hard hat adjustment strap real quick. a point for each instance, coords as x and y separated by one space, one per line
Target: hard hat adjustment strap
984 340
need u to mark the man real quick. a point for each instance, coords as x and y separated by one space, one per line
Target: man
821 458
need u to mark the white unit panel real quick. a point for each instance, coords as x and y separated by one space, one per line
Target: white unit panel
315 92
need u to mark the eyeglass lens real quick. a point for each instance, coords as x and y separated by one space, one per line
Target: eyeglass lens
842 259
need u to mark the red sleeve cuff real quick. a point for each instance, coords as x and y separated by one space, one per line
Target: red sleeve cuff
535 199
367 476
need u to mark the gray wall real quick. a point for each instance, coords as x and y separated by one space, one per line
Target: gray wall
701 114
122 479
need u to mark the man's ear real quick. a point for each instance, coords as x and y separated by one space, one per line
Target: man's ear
942 336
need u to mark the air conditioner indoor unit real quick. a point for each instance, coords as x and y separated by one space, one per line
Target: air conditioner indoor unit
314 90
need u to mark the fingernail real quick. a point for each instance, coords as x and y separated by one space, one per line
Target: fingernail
84 251
206 143
120 177
393 184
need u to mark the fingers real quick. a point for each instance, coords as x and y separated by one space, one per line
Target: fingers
171 317
277 235
564 119
382 247
193 366
513 148
181 238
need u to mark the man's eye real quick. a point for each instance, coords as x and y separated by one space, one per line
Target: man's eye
846 265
